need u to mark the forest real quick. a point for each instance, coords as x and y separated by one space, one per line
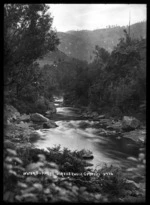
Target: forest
113 85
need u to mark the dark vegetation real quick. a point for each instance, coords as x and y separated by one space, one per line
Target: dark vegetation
114 82
27 36
31 175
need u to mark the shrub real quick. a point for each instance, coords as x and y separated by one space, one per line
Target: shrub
41 106
45 185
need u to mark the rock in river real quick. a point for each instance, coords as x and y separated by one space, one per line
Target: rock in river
130 123
36 117
49 124
101 116
136 135
86 154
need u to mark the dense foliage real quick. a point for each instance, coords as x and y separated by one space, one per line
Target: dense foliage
33 175
28 35
116 81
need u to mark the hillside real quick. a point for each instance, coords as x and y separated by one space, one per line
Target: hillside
80 44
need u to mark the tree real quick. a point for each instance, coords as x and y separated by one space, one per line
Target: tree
28 35
124 58
118 79
101 55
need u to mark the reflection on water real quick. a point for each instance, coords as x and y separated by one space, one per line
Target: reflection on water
106 149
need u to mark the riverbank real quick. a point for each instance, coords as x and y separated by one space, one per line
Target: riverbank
96 188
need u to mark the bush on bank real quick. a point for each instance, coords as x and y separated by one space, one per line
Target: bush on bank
104 185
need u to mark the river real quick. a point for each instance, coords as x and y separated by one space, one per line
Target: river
106 149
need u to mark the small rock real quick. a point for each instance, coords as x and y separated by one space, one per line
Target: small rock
49 124
142 149
87 156
101 116
36 117
141 156
135 135
132 159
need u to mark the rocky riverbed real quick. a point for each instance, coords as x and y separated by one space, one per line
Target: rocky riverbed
20 128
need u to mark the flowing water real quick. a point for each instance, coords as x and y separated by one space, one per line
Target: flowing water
69 134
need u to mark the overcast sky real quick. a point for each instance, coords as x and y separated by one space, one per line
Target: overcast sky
94 16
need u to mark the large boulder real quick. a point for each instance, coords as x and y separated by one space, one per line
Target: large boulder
130 123
36 117
136 135
86 154
49 124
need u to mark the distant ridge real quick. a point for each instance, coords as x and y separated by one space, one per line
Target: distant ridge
80 44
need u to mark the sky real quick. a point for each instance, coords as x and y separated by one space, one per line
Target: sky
95 16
